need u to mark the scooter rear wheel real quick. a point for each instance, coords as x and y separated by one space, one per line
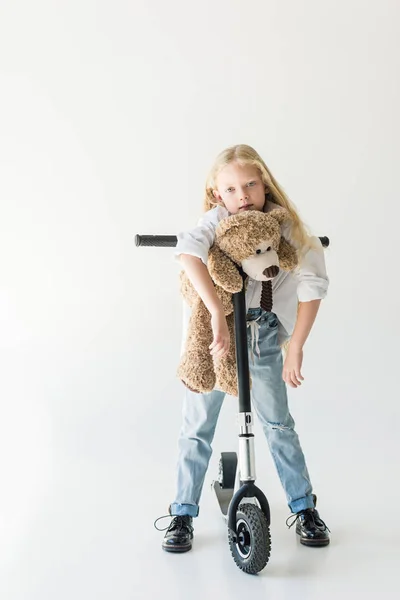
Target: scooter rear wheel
251 550
227 469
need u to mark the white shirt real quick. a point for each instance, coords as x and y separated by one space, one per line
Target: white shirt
307 282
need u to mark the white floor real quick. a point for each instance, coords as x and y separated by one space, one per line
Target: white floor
359 563
93 538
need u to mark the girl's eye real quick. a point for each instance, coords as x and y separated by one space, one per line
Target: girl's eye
251 183
229 189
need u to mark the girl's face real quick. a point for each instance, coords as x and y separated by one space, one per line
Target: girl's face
240 188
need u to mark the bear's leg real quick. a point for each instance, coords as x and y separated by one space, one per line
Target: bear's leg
196 368
225 367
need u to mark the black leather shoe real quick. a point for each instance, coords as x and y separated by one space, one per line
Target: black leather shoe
179 534
310 527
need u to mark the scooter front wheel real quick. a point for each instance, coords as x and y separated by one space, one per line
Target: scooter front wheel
252 547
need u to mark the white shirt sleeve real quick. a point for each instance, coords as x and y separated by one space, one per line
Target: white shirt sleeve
198 241
311 274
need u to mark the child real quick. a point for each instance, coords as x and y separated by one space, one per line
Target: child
239 181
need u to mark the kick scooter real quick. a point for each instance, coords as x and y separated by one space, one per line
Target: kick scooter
248 522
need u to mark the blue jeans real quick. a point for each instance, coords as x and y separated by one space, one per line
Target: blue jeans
269 400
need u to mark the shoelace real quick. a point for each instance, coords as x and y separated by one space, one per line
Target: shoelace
255 336
311 516
177 522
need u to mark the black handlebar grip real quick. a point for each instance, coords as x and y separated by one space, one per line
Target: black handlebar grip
165 241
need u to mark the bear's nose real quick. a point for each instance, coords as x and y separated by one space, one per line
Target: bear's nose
271 271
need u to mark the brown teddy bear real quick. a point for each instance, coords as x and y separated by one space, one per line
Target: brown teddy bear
251 240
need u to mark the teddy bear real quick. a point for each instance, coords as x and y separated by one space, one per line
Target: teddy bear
248 243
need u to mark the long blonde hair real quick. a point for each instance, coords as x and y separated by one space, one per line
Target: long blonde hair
246 155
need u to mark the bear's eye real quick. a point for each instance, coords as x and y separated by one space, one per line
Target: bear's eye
258 251
269 248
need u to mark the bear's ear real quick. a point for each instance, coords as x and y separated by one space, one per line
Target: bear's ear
223 271
287 255
226 224
280 214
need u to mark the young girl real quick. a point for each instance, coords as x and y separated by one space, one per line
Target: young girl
239 181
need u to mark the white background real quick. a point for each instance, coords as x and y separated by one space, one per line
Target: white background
111 114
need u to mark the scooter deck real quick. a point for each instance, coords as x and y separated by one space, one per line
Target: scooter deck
224 496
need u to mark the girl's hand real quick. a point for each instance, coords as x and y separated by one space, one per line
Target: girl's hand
220 344
292 367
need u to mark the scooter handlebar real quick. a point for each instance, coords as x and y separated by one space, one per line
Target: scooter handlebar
170 241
